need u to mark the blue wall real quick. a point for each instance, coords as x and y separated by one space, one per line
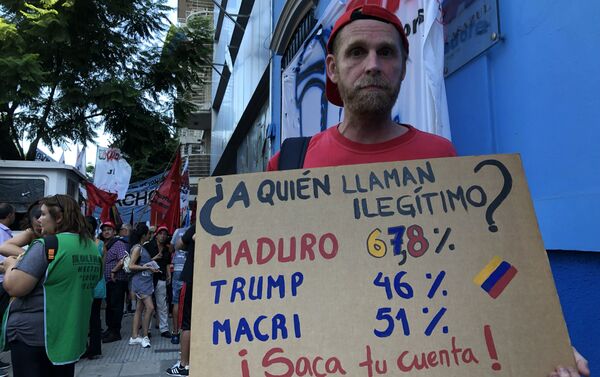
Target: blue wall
576 276
536 93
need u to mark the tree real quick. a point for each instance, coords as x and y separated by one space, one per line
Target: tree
71 67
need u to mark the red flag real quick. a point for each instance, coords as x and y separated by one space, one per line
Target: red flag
97 197
164 204
115 216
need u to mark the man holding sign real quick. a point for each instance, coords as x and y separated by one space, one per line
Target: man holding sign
366 63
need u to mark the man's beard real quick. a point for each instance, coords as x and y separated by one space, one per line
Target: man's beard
369 102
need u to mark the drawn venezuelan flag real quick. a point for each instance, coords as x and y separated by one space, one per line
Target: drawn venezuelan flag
495 276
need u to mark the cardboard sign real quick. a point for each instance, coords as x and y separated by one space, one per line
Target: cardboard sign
421 268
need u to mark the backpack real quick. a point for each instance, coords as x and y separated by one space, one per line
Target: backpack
126 259
292 153
51 246
114 240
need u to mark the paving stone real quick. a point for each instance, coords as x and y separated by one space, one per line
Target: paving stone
98 370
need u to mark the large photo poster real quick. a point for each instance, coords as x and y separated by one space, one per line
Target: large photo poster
421 268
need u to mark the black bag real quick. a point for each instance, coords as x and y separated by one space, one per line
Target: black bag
292 153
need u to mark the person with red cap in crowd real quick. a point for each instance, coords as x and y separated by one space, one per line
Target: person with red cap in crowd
116 280
160 251
366 60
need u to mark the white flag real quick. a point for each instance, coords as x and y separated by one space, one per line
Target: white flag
112 172
80 163
61 160
185 192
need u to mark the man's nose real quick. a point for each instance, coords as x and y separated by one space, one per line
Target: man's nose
372 62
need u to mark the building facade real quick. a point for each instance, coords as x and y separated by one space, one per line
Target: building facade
533 92
241 90
195 134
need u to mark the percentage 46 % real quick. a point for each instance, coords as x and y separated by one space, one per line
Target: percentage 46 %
404 290
417 244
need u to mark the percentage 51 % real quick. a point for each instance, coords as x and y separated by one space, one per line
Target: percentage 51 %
404 290
417 243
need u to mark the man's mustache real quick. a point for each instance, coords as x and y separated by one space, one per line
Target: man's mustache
371 81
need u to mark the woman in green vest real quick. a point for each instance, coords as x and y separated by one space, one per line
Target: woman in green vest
46 325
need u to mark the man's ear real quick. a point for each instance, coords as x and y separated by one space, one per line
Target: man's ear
330 66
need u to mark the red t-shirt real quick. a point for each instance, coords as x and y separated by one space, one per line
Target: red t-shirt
330 148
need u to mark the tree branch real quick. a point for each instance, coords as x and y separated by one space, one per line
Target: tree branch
10 151
16 141
43 121
93 115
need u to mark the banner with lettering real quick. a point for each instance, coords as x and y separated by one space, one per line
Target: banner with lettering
136 202
421 268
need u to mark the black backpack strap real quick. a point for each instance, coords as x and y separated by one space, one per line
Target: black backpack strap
51 246
292 153
113 241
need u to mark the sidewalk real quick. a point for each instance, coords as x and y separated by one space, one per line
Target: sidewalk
119 359
122 360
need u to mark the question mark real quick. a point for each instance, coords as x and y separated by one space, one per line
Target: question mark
489 213
206 211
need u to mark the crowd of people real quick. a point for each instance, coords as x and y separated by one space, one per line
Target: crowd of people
139 266
60 268
145 271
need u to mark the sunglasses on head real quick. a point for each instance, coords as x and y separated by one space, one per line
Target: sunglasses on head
59 203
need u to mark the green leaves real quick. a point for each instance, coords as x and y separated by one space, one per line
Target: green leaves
45 22
69 68
19 68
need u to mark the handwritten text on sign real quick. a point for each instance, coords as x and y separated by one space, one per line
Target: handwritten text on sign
383 269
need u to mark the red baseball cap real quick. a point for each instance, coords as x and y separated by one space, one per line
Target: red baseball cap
361 12
108 223
161 228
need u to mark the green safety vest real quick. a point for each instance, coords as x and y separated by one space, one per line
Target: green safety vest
68 293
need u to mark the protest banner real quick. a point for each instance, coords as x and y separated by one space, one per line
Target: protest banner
421 268
137 200
112 172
